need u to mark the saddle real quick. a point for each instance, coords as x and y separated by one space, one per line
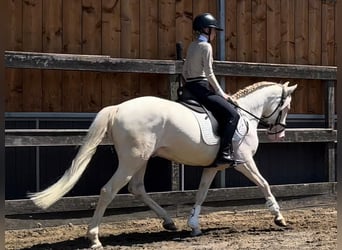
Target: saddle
206 120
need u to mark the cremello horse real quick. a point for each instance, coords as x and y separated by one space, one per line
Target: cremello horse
148 126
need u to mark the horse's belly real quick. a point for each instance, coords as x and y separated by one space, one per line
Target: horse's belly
185 145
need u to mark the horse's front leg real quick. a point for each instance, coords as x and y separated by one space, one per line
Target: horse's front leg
250 170
206 179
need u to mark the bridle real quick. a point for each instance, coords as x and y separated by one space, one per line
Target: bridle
262 120
280 114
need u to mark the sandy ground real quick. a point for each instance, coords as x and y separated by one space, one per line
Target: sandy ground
312 224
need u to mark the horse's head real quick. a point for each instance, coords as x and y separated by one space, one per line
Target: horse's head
276 114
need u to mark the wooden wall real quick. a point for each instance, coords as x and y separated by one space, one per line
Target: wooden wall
274 31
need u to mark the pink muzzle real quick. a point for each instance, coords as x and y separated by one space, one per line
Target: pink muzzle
276 133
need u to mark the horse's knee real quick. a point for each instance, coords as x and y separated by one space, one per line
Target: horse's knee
106 194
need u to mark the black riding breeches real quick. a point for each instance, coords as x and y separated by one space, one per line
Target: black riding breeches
223 111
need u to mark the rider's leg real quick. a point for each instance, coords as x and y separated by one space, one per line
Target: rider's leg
226 153
225 114
228 119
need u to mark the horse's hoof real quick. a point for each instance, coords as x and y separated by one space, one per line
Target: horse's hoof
96 246
94 243
196 232
280 221
170 226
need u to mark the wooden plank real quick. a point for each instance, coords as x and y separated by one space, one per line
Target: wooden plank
231 42
149 29
14 90
111 46
259 14
199 7
316 88
91 44
52 42
149 44
72 40
67 137
329 106
14 78
173 198
231 30
301 32
301 53
299 135
110 35
244 38
287 49
264 70
328 33
331 161
130 48
32 41
213 8
100 63
166 40
107 64
184 16
273 31
315 31
244 33
166 31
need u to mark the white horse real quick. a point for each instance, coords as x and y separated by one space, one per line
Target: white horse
145 127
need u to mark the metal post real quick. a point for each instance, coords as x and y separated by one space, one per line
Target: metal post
177 169
221 53
37 162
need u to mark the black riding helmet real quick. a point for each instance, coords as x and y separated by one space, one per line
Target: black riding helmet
205 20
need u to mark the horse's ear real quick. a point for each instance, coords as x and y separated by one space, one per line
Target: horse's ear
286 84
291 89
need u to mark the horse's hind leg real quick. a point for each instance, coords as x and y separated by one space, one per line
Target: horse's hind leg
137 188
121 177
250 170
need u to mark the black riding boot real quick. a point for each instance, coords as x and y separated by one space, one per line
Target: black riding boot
226 155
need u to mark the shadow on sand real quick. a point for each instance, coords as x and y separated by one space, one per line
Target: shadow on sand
125 239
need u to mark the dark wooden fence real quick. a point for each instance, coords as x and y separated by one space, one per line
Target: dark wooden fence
260 31
26 137
115 50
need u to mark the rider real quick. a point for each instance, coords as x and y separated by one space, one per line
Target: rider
202 83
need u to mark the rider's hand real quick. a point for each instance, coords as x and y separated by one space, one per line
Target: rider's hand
230 98
226 96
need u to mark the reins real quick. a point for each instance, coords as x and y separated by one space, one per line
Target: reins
261 120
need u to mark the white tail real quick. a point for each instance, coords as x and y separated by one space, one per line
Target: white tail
96 133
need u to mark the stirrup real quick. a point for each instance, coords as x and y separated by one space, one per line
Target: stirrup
227 160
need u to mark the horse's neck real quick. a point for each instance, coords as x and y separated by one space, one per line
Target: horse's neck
254 103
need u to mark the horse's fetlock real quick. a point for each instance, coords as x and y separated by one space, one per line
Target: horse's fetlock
272 205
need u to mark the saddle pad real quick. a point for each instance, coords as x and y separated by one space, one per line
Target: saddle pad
241 129
207 131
